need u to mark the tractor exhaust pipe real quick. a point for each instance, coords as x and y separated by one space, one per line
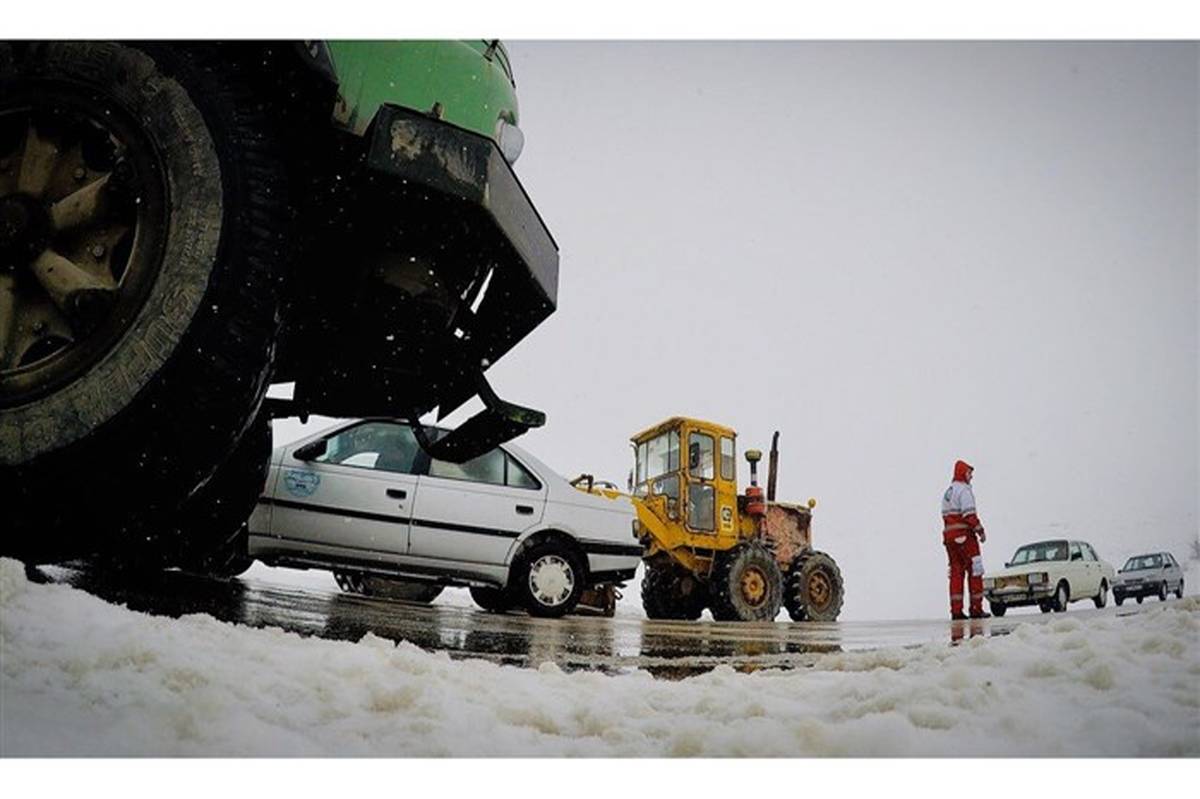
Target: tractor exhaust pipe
773 467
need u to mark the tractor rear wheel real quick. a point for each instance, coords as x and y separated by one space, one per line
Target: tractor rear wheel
669 592
815 589
746 584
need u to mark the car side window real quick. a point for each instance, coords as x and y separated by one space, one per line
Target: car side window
381 446
517 476
1088 552
1076 554
487 468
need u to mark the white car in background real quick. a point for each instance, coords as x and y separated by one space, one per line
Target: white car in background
1049 574
366 502
1155 574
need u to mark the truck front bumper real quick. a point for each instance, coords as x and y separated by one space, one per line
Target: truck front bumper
1016 596
445 265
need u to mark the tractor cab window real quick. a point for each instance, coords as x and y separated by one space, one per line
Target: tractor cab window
657 469
700 456
728 459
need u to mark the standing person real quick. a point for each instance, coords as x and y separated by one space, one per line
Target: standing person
962 532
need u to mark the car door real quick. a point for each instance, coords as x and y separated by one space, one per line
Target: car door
1078 573
349 494
1173 573
470 513
1095 571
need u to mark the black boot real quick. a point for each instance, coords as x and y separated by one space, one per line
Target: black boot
958 617
980 614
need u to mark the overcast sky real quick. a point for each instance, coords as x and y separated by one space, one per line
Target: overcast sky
897 254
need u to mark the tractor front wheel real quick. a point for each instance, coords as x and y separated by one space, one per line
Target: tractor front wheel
815 589
746 585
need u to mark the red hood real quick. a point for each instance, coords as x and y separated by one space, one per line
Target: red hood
960 471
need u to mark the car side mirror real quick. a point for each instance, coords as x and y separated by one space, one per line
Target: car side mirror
1008 565
312 451
1077 556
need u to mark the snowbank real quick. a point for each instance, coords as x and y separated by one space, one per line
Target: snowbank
81 677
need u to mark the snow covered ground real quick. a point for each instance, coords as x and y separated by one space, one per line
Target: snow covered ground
82 677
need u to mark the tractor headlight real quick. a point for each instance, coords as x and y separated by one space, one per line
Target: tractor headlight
1037 577
511 140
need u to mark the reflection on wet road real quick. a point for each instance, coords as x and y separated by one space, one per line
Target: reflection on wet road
664 648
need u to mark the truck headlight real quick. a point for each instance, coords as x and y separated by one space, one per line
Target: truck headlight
511 140
1037 577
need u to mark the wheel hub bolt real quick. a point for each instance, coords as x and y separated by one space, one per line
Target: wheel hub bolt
39 328
79 174
98 251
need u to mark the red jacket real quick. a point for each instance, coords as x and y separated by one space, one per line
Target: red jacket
958 505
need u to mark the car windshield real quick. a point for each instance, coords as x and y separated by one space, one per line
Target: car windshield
1035 553
1138 562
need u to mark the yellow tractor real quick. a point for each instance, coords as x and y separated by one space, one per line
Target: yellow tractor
705 545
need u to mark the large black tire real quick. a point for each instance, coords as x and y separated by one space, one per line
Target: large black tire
210 536
815 589
746 584
548 578
669 592
186 363
493 600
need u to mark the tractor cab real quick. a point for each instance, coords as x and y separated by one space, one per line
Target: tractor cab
686 468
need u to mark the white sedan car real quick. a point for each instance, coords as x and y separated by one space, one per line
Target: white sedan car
1050 574
365 501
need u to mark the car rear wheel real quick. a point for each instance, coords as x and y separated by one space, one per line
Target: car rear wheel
1179 590
1101 599
1062 596
548 578
998 608
1140 598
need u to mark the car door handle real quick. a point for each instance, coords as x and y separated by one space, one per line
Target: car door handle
525 510
397 493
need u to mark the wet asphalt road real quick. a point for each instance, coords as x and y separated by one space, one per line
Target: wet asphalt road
666 649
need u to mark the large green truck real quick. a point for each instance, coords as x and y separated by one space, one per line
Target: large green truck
183 224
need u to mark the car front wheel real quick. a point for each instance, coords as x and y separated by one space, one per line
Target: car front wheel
1118 598
1062 595
1101 599
1179 590
549 579
1162 591
998 608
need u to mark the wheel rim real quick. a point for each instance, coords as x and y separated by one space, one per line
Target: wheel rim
819 590
82 221
753 586
1062 596
551 580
